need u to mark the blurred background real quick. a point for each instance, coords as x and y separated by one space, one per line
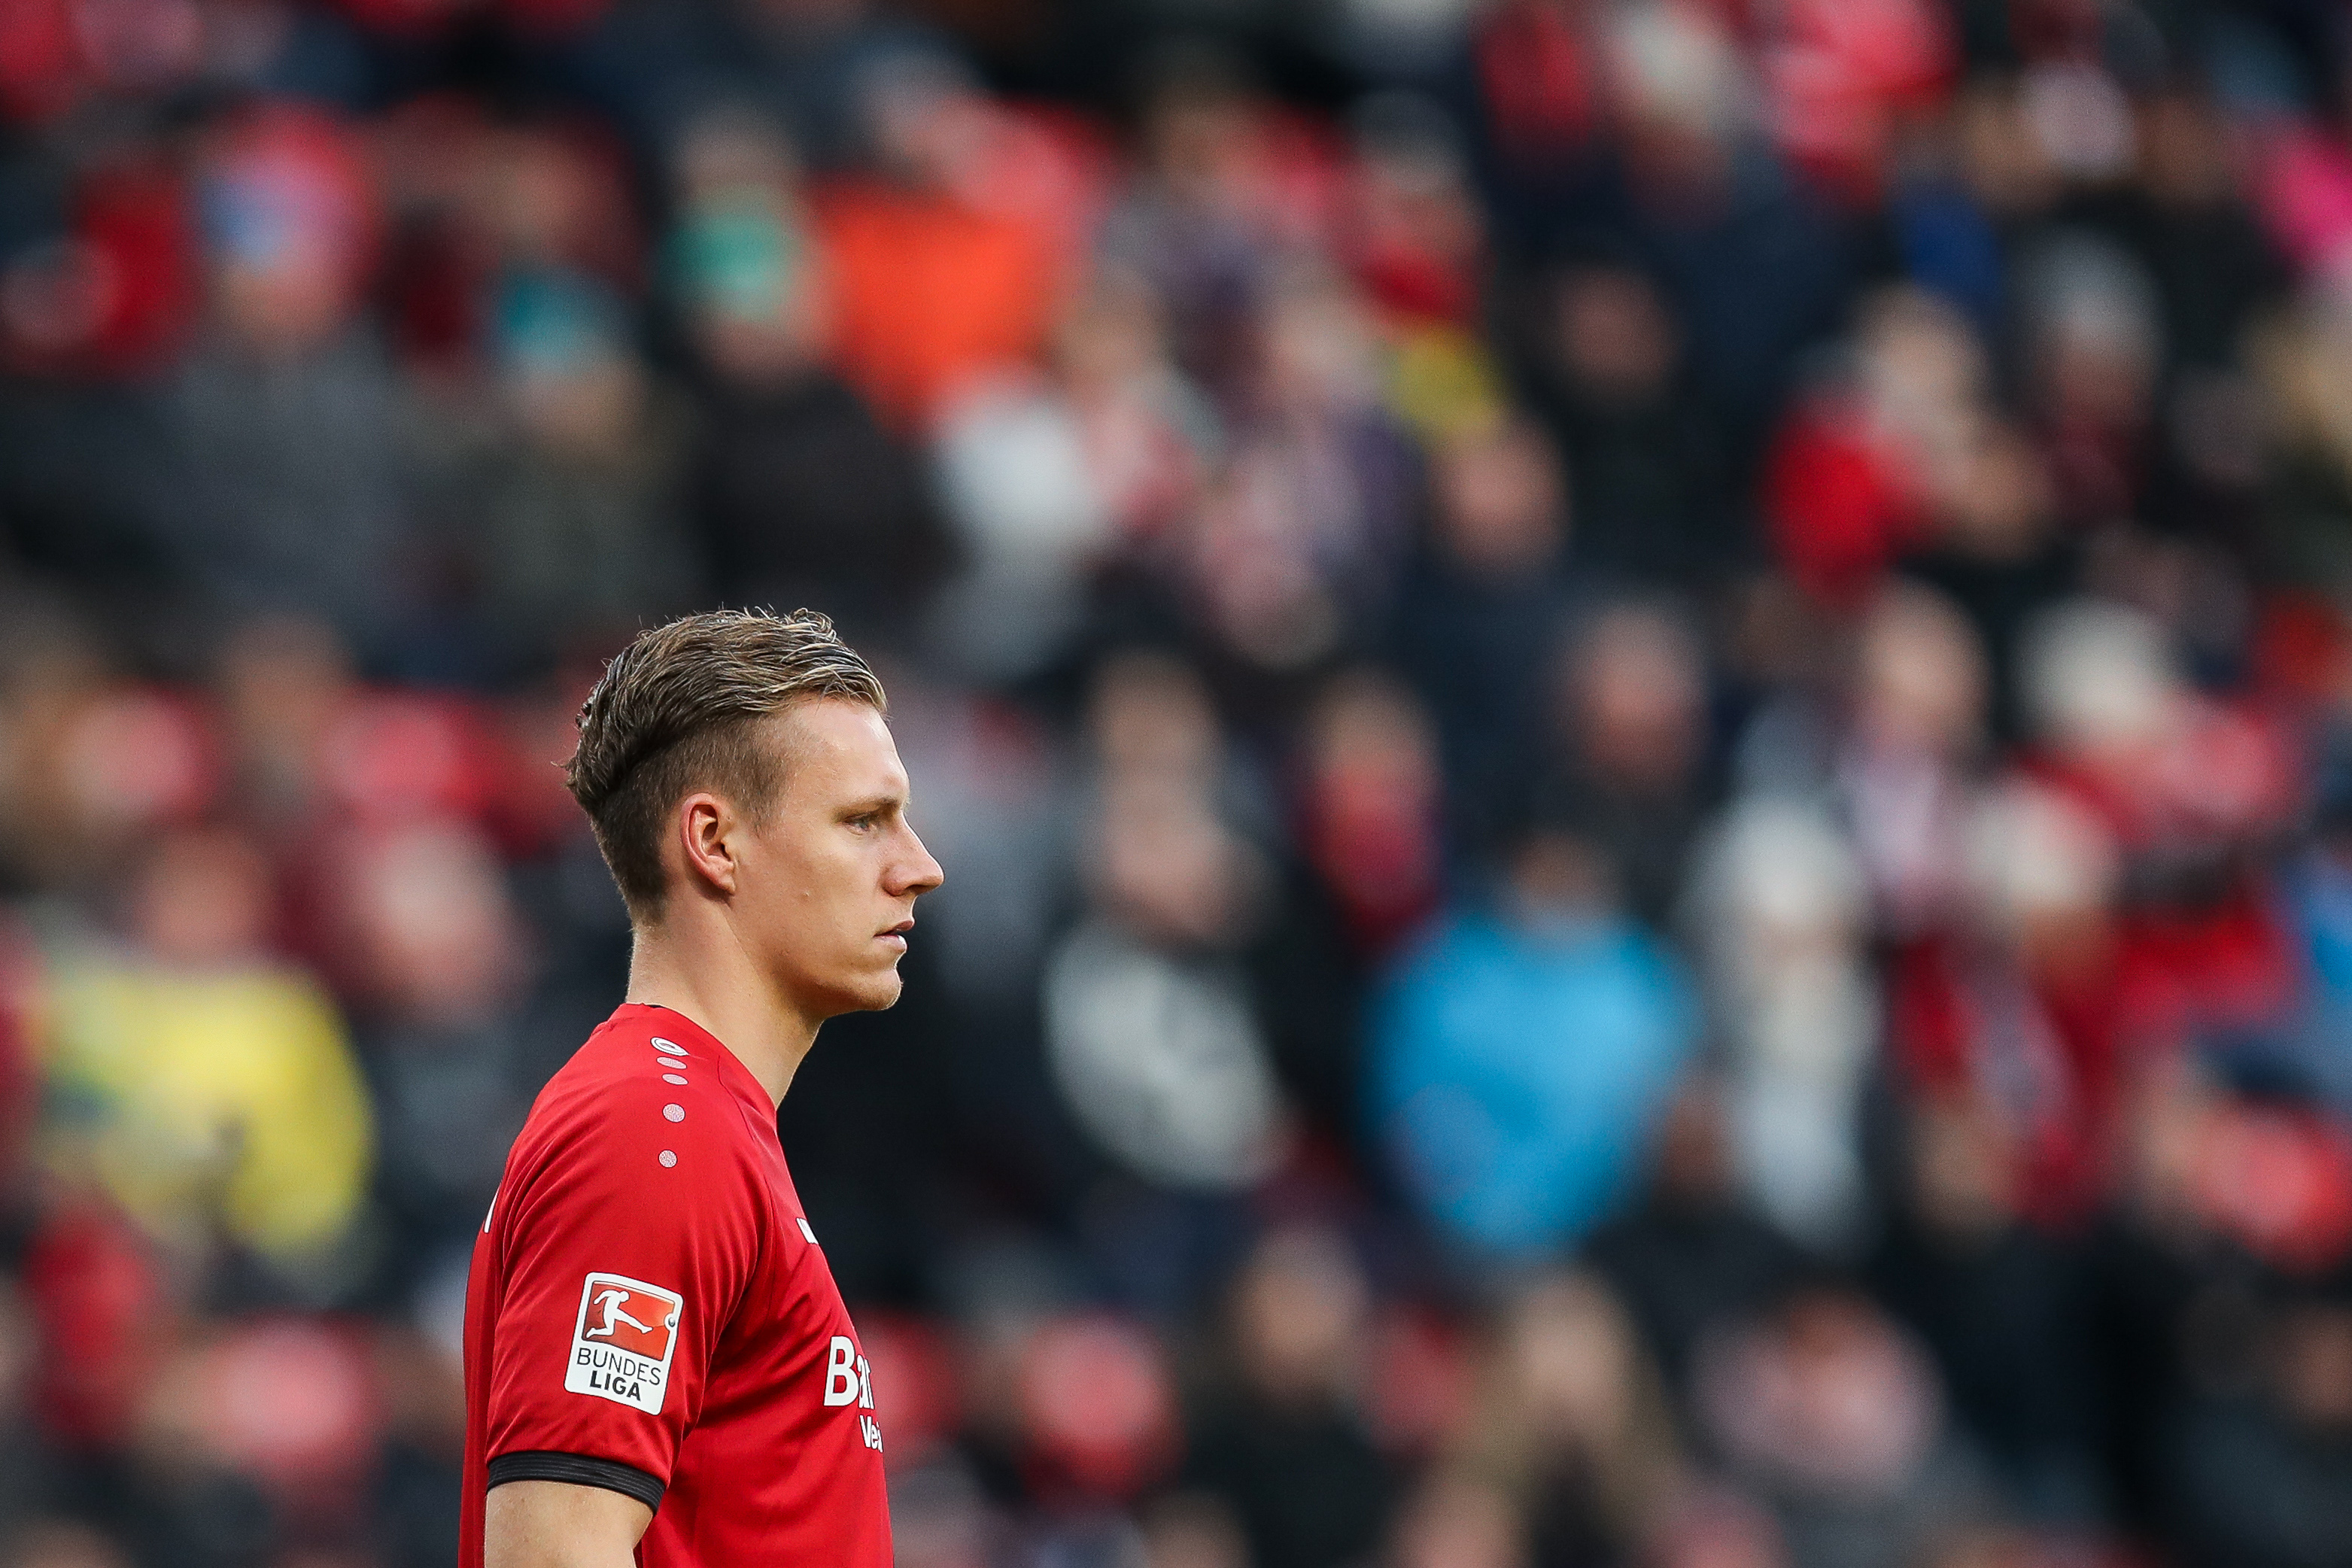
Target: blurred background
1641 709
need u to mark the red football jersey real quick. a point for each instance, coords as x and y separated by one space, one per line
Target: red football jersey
649 1311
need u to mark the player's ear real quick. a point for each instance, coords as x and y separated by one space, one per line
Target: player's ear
704 825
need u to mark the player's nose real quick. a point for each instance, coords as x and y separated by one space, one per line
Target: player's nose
918 872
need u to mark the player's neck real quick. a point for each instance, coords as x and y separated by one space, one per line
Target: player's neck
716 986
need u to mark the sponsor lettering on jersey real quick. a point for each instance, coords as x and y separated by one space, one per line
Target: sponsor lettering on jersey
849 1380
621 1344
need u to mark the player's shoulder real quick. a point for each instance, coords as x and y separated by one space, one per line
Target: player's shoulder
635 1083
641 1136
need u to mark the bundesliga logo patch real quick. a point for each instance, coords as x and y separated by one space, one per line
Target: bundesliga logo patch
621 1346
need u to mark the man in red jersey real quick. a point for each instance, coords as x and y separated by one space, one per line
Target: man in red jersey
658 1362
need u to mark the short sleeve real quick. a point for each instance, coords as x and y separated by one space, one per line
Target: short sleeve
623 1254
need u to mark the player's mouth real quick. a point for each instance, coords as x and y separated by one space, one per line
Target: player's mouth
896 937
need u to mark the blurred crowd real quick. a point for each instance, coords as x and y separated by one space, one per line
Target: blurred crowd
1641 713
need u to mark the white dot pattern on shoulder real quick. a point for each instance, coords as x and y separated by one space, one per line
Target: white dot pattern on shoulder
674 1113
662 1044
669 1061
672 1077
668 1158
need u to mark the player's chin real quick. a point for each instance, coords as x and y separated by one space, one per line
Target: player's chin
874 992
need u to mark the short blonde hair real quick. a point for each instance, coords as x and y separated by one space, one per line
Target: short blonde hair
675 711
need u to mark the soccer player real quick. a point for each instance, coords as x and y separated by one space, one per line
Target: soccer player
658 1360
